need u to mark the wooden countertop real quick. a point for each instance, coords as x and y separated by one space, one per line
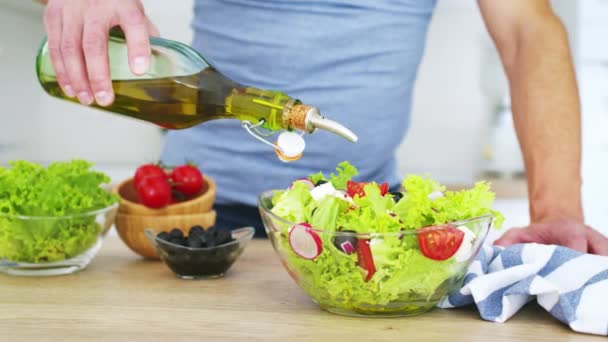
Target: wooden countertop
121 297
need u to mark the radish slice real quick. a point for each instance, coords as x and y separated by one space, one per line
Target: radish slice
304 241
305 181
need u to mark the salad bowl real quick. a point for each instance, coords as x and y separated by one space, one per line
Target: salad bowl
55 245
356 248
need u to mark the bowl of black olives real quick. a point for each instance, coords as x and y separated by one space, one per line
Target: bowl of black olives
201 253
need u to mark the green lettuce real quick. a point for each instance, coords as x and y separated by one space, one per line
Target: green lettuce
50 193
293 204
325 215
417 210
344 172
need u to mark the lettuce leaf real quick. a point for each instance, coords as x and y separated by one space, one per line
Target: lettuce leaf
293 204
316 177
344 172
326 214
417 210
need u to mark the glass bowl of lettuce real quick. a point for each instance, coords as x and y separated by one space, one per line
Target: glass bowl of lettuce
53 219
358 249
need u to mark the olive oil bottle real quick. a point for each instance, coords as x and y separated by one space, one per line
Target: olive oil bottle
182 90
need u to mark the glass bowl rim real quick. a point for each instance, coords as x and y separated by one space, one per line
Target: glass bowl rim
94 212
249 233
400 233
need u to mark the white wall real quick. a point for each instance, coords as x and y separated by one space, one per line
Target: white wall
450 112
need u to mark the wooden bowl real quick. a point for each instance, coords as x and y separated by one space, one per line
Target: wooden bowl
199 204
131 228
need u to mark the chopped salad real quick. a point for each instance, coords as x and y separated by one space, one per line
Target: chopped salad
356 243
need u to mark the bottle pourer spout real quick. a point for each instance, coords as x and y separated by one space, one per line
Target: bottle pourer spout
308 119
318 121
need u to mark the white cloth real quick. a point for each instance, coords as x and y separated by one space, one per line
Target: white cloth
571 286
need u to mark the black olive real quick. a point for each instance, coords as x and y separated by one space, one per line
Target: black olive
176 233
396 195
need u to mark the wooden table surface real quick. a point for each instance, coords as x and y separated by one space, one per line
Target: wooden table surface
121 297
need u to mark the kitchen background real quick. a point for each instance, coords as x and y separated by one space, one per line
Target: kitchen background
461 130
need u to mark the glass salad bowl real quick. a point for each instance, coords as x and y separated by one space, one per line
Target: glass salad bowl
375 274
47 246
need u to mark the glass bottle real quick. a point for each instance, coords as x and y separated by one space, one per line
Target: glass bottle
181 90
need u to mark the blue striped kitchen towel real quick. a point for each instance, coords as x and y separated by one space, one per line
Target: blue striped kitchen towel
571 286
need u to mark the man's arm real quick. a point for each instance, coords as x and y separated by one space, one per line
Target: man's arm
533 47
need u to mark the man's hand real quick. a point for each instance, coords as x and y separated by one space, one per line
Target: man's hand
78 44
563 232
533 47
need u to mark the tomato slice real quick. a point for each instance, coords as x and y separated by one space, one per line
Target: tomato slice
383 189
365 258
357 188
440 243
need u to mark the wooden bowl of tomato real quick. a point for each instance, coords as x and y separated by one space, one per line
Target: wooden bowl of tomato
163 197
158 191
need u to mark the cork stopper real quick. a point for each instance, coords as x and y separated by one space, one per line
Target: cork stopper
308 118
297 117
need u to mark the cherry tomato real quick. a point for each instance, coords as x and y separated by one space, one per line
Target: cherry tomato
154 192
440 243
358 188
187 179
147 170
365 258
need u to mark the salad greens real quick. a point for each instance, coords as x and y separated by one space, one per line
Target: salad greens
372 212
51 194
402 273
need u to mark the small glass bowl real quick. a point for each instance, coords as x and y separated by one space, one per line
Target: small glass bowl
48 246
200 263
404 281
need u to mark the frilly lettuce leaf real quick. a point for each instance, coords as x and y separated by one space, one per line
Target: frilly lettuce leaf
326 214
417 210
344 172
293 204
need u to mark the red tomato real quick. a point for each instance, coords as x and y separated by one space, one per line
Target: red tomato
383 189
147 170
187 179
355 188
440 243
365 258
358 188
154 192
